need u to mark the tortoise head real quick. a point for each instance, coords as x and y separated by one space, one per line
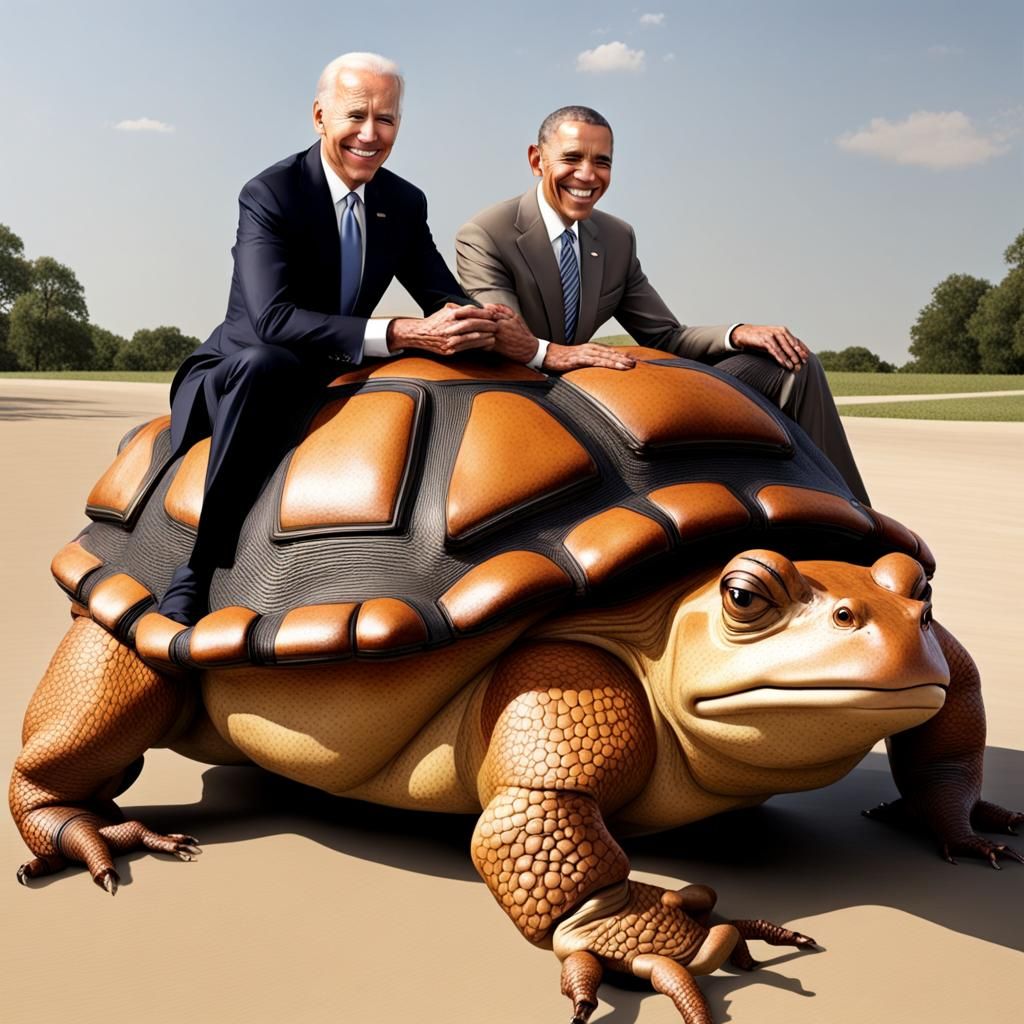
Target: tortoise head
785 665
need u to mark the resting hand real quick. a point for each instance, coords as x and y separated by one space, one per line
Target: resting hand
512 338
560 358
786 349
448 331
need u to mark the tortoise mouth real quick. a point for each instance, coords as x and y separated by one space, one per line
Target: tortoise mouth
924 696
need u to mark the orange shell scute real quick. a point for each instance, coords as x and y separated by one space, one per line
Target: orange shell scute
663 406
184 498
72 564
513 452
388 624
501 584
113 598
468 368
221 638
315 631
349 469
154 635
791 506
614 540
701 509
116 492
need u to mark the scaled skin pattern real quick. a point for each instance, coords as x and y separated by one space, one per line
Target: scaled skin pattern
580 607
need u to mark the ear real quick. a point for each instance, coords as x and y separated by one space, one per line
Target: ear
318 118
533 155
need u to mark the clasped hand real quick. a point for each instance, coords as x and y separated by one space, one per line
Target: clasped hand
450 330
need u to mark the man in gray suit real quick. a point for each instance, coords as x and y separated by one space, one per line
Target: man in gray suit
562 269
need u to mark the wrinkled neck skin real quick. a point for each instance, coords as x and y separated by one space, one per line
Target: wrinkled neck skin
740 720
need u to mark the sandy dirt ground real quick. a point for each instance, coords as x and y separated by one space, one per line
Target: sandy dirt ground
309 909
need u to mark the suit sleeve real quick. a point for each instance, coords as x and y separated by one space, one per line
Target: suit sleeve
422 270
481 270
262 267
643 313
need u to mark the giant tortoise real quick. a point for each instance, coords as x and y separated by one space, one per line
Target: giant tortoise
608 602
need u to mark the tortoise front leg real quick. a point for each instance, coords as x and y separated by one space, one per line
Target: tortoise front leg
570 739
97 709
937 767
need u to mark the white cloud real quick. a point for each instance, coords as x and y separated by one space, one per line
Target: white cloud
143 124
610 57
925 139
651 19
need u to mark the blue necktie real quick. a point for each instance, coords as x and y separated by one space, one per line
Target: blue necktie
569 270
351 255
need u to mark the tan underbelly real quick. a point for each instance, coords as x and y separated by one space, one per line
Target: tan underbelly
342 725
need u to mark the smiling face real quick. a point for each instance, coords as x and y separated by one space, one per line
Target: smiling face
575 164
358 126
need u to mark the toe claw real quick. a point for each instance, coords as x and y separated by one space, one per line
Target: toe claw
109 880
23 875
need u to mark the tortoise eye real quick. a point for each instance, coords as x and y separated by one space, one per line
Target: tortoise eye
743 604
844 617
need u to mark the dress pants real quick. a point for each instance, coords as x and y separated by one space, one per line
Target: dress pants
252 405
804 397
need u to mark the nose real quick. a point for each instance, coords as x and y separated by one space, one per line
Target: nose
585 171
368 131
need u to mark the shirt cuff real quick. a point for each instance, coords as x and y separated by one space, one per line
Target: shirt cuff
375 340
538 357
729 346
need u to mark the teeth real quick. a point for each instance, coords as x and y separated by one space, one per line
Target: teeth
363 152
580 193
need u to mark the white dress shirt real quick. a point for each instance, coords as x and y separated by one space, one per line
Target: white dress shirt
375 337
556 230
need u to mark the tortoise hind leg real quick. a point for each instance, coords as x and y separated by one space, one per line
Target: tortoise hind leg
97 709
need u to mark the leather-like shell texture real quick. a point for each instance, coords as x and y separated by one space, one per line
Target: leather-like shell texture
430 499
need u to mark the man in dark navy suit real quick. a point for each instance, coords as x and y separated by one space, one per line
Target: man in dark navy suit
320 237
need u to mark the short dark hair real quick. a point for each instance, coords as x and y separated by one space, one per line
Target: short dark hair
587 115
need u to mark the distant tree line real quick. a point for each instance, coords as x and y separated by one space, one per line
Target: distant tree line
971 325
44 322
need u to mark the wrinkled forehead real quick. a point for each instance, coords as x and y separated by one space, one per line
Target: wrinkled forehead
357 88
591 140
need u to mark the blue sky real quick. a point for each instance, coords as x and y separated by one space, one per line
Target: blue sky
818 164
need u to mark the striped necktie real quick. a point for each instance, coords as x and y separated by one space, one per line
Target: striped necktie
569 270
351 255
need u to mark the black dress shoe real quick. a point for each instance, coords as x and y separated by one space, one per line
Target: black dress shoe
186 600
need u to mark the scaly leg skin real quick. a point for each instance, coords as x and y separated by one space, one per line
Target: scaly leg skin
571 739
937 767
93 715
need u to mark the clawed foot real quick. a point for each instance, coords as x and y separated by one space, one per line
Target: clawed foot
985 816
83 837
773 934
652 934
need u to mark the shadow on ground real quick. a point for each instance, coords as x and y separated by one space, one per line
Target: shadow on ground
820 852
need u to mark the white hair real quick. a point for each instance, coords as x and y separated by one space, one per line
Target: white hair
373 62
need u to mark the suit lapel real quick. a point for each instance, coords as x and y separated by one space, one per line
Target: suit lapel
322 227
376 264
535 248
591 274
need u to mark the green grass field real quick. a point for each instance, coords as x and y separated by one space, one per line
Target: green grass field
1003 409
921 383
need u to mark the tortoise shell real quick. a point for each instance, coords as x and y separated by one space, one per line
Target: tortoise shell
429 499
